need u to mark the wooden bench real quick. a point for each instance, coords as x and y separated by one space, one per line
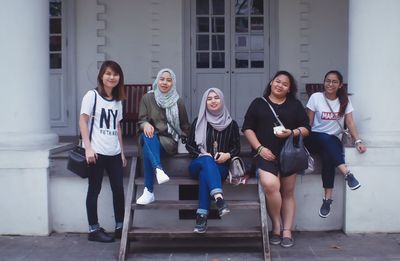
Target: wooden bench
130 106
317 87
177 168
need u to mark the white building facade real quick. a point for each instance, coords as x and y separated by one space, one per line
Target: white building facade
236 45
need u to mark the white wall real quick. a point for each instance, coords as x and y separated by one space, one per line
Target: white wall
313 38
143 36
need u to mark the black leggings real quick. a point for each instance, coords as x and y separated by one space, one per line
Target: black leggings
113 166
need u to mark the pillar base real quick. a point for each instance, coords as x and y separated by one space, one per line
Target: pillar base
27 141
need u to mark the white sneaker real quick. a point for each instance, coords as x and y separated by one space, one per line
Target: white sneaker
146 198
161 176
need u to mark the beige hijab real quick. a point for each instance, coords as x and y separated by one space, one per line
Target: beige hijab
219 120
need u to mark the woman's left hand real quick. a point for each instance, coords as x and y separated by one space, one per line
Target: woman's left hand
361 148
124 161
283 134
221 157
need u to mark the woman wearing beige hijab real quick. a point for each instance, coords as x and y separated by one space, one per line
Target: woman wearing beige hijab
214 139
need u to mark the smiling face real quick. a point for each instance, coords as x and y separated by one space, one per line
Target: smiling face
332 84
165 82
110 78
214 103
280 86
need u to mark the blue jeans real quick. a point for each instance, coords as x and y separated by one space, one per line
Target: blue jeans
113 166
330 148
152 150
210 176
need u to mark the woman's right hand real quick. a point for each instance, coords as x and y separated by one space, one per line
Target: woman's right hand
91 156
148 130
267 154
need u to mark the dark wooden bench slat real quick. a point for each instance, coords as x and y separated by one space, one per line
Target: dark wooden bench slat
317 87
130 106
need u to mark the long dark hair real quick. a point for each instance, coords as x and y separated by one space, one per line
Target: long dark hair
292 88
341 92
118 92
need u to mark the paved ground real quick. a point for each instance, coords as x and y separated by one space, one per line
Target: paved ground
323 246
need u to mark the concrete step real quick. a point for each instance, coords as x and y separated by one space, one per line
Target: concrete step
179 180
179 232
193 204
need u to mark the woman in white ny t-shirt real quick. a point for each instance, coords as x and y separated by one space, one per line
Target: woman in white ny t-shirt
104 150
326 110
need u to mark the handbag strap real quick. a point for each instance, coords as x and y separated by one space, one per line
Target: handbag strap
273 111
91 118
172 126
330 108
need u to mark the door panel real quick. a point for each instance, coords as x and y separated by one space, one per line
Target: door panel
244 88
229 51
57 115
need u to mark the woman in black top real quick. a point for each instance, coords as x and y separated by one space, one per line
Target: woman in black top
258 127
213 141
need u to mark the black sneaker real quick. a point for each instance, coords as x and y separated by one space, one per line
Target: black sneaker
100 235
222 207
325 208
118 233
352 182
201 224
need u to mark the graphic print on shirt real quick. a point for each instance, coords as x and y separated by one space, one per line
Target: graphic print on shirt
108 118
330 115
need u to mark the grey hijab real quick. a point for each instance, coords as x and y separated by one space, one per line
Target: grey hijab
219 120
168 101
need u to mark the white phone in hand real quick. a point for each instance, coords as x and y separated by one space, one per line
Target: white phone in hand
278 129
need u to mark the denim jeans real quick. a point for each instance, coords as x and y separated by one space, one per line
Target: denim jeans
152 150
210 176
113 166
330 148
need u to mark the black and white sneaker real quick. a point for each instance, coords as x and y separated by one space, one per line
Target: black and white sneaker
100 235
325 208
352 182
222 207
201 224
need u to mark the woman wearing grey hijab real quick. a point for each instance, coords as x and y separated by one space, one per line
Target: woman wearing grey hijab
214 139
162 118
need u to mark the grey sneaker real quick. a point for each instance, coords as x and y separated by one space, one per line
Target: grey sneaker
325 208
287 242
274 239
352 182
201 224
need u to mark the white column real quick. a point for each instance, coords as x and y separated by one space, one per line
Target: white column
25 136
374 66
25 75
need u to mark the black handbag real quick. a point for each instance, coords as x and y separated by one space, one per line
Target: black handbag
293 156
77 158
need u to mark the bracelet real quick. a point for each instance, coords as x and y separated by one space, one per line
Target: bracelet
358 141
259 149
